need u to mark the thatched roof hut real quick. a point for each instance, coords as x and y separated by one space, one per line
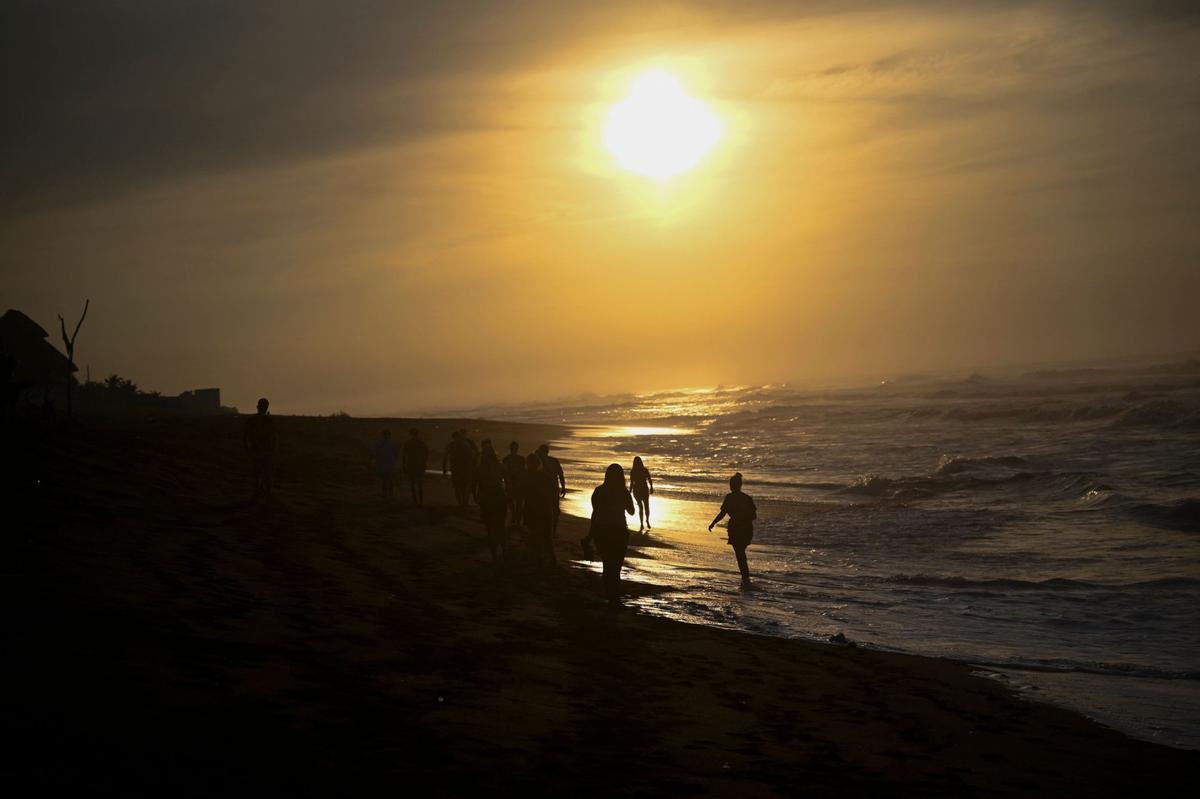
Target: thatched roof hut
36 363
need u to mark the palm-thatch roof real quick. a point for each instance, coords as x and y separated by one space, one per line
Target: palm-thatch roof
36 361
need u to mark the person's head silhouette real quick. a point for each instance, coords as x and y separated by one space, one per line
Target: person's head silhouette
513 447
614 476
735 482
263 404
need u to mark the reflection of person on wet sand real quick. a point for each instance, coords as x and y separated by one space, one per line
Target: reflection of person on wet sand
414 458
258 436
611 502
493 504
742 513
385 452
641 485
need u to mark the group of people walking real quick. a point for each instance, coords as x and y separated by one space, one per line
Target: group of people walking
527 489
520 490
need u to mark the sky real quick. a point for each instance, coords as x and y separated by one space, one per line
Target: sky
384 207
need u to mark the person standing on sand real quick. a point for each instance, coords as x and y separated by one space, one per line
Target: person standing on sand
385 453
742 513
258 437
641 485
514 481
493 503
460 457
414 458
540 503
558 483
611 502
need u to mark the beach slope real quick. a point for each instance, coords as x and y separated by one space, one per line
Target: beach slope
166 635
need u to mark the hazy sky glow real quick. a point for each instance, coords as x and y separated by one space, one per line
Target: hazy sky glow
379 208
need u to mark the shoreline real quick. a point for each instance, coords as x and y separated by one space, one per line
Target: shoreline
1126 697
332 636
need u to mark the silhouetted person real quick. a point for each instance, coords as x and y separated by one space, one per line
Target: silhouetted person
460 457
742 513
611 502
493 502
385 453
415 457
540 504
556 478
258 436
641 485
9 388
514 481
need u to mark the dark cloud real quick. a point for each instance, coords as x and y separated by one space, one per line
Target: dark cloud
102 96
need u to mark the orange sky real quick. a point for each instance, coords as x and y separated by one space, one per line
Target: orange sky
392 210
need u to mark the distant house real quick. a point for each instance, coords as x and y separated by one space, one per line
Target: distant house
36 365
200 401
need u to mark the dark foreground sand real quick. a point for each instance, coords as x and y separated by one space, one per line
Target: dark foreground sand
165 637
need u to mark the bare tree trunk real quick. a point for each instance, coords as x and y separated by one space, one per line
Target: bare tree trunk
69 343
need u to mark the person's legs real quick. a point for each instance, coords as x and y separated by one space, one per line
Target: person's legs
740 553
262 476
641 506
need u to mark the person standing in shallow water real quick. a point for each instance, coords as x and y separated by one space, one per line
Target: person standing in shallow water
742 513
414 457
385 453
641 485
514 481
611 502
541 501
258 436
460 457
558 482
493 504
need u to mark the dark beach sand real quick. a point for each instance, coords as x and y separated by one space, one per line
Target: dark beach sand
166 637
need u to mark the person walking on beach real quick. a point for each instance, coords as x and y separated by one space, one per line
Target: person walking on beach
414 458
493 503
541 501
641 485
385 453
611 502
258 437
460 457
514 481
557 480
742 513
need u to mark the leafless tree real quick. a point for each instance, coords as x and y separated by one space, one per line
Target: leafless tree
69 343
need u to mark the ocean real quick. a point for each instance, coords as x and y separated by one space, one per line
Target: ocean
1043 526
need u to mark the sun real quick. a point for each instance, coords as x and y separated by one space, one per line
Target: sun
659 130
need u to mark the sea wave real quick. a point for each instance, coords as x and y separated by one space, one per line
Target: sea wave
1051 584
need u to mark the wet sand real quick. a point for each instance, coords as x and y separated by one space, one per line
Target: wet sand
168 636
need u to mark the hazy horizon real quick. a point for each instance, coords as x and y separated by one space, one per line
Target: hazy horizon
392 208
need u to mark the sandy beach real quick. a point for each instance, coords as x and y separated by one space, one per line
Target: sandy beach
172 637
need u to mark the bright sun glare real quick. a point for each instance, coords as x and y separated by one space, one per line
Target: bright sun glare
659 130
